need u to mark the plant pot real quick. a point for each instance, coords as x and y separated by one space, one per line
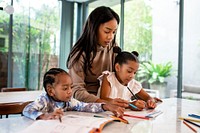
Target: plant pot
161 87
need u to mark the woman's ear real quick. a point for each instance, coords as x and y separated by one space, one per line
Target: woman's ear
117 67
50 90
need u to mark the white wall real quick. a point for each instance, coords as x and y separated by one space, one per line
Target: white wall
165 38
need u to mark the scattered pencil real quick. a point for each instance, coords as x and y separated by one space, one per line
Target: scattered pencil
189 126
191 122
190 119
194 116
139 117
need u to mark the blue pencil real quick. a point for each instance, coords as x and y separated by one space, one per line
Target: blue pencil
194 116
133 106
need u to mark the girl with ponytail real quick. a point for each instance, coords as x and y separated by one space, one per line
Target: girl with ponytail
121 82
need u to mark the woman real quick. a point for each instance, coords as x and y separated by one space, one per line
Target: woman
93 53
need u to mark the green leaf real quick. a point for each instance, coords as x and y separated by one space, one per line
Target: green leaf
154 72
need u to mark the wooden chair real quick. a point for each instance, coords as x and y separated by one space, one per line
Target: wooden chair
12 108
12 89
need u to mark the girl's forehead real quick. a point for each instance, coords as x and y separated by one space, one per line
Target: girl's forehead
62 78
131 64
111 25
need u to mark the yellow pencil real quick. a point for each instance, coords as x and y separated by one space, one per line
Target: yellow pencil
190 119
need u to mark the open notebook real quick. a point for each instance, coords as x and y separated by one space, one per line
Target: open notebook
70 123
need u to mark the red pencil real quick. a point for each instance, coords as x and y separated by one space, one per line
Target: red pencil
134 116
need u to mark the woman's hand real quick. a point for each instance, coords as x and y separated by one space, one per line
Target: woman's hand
119 102
58 113
116 110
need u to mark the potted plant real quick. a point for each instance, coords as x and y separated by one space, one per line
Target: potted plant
155 74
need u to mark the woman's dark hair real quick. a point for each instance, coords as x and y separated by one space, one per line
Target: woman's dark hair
49 76
123 56
88 41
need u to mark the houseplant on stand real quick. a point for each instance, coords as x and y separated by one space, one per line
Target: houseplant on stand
155 74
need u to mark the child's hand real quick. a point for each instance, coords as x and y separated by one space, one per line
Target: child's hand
119 102
157 99
140 105
117 111
151 103
54 115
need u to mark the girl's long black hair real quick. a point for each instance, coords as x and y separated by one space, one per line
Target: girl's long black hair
88 41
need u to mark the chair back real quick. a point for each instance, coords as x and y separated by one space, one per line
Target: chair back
12 89
12 108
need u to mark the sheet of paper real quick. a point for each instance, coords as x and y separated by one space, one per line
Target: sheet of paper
70 123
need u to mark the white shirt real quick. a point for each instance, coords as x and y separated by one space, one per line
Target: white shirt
117 89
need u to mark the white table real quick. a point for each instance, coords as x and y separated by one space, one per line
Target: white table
18 96
167 122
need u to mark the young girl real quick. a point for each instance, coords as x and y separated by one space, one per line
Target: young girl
121 82
58 98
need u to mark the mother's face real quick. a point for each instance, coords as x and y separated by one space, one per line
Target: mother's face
107 32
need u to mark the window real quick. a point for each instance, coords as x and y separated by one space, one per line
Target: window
35 44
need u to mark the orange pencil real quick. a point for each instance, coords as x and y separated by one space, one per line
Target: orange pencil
190 126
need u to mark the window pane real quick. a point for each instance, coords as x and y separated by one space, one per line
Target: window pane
35 44
4 28
151 28
191 50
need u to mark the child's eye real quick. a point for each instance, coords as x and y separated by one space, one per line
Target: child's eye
107 32
65 89
135 72
129 71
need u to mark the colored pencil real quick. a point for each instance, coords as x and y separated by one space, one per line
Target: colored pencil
133 106
189 126
194 120
139 117
191 122
194 116
60 119
98 116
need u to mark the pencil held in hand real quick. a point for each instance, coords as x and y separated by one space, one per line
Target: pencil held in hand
58 113
133 106
60 119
